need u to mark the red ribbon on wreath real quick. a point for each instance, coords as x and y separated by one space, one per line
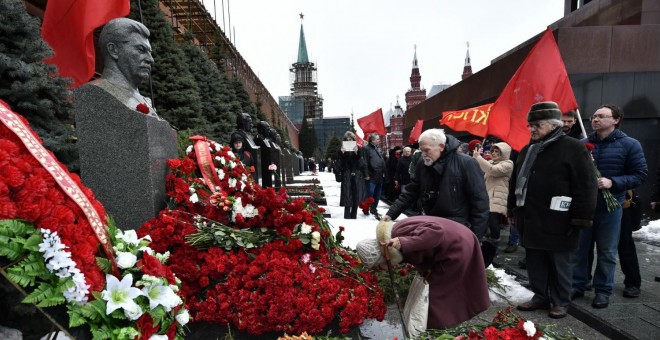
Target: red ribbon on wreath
205 162
62 178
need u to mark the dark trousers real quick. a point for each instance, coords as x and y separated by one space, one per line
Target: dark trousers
351 204
628 253
550 276
494 221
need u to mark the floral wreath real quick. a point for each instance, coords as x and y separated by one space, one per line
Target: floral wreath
52 247
253 257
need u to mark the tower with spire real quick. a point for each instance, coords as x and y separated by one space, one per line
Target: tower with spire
415 94
303 80
396 125
467 69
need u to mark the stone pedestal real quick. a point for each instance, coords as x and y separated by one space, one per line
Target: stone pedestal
123 156
266 159
287 163
276 158
251 146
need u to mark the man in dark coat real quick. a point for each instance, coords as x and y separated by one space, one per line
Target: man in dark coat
401 175
353 170
445 251
375 171
552 196
448 184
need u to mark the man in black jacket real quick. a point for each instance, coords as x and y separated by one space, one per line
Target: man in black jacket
449 184
375 171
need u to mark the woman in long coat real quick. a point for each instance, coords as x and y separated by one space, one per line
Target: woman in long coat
353 170
449 253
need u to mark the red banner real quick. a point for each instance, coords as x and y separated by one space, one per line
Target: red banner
416 132
473 120
61 177
373 122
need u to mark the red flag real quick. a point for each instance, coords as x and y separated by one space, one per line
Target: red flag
360 141
541 77
473 120
68 28
416 132
373 122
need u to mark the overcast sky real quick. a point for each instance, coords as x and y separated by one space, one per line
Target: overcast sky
363 49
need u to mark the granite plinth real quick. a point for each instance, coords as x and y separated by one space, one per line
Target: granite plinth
123 156
295 164
276 158
266 160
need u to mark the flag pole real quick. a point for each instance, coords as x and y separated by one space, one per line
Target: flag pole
579 119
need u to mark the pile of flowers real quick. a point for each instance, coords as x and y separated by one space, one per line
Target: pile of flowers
48 246
506 324
253 257
612 203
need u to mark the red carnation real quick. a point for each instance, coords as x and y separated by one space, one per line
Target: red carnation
142 108
151 266
589 146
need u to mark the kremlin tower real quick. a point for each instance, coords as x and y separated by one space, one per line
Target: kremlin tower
415 94
467 69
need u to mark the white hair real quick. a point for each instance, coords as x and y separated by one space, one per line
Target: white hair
556 122
436 136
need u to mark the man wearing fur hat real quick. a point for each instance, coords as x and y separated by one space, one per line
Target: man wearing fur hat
445 251
552 196
448 184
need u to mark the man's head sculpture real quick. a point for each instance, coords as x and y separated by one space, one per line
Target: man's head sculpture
244 122
263 129
126 52
275 136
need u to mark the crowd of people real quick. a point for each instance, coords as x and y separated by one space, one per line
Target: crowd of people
567 197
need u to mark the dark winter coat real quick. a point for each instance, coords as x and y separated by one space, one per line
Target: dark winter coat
401 174
375 163
621 159
353 170
453 187
458 289
244 156
563 168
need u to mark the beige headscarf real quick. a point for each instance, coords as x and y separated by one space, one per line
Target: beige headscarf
370 250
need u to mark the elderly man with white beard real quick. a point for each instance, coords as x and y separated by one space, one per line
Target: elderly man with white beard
448 183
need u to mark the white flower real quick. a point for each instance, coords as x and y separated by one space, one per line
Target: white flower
305 258
221 174
147 250
305 228
316 239
232 182
183 317
119 294
125 259
158 337
248 211
232 164
128 236
133 312
189 149
529 328
312 268
231 154
159 294
194 199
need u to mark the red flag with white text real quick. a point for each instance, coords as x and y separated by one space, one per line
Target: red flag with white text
68 28
373 122
541 77
473 120
416 132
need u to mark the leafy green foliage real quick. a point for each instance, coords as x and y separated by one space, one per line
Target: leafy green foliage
307 135
334 145
32 87
104 264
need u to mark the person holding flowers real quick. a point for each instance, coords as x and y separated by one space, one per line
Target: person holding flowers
621 165
552 197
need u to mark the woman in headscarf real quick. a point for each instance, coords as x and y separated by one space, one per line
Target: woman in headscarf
445 251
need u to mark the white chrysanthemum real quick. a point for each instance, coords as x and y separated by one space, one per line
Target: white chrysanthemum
232 182
231 154
529 328
120 294
305 228
221 174
248 211
193 198
126 259
232 164
189 149
160 294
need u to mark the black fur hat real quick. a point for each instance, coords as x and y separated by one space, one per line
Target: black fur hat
544 110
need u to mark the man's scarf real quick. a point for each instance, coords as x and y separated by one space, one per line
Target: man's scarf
530 158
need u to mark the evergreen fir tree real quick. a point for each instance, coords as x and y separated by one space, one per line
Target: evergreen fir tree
307 139
212 84
176 94
334 145
31 87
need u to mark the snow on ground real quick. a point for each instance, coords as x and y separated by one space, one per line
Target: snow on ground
365 227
